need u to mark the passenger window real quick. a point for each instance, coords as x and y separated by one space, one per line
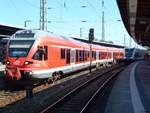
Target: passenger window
95 55
99 55
63 53
92 54
45 53
76 55
86 55
80 55
83 56
68 56
37 55
41 53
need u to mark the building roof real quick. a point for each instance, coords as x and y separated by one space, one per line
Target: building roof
136 17
6 30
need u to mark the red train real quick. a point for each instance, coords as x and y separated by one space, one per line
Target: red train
34 54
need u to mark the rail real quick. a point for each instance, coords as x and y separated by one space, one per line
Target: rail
77 101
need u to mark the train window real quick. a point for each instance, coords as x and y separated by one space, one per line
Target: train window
115 55
103 55
95 55
63 53
76 55
99 55
72 56
128 52
137 55
80 55
38 55
92 54
68 56
86 55
19 48
109 55
83 55
45 53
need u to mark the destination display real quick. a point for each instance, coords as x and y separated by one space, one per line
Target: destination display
20 43
24 35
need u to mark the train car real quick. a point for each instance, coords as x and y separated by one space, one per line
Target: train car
132 54
34 54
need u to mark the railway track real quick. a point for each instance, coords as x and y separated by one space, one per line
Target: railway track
78 100
10 96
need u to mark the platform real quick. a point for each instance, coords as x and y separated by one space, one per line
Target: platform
131 91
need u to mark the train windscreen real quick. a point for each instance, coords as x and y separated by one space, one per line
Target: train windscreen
19 48
128 52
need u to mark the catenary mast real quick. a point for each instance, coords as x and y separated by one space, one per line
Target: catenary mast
43 15
103 22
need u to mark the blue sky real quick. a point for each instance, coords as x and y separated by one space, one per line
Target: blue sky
66 17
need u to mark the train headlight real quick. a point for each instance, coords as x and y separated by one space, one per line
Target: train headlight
28 62
30 72
7 62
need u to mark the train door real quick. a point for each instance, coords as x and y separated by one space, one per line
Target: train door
45 56
68 56
72 57
97 55
41 55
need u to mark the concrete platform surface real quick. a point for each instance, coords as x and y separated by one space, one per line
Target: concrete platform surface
131 91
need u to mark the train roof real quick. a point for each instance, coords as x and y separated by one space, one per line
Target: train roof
55 38
64 39
99 43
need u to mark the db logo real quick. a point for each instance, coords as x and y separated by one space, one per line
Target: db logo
16 62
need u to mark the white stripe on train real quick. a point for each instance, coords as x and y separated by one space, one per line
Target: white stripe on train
65 69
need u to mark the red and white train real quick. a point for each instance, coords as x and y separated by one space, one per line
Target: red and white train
34 54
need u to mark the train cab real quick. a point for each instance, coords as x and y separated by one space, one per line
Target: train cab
23 52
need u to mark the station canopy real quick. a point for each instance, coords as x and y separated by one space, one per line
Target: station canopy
6 30
136 18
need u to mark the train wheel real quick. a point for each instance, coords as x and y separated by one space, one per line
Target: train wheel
49 80
54 76
52 79
60 75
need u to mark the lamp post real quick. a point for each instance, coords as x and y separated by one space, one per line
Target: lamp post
81 28
83 21
25 22
80 32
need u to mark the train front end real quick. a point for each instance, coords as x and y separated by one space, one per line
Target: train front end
17 55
